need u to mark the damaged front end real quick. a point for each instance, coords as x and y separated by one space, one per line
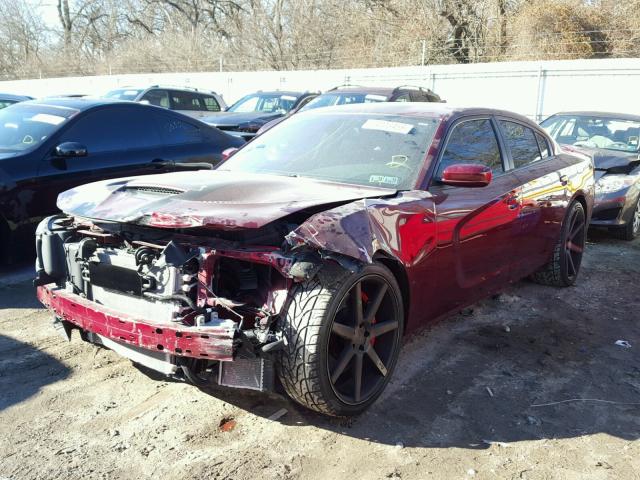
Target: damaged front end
198 307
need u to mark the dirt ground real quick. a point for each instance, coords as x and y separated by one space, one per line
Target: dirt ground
463 402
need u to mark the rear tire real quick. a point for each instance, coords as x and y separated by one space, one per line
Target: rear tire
564 266
631 230
343 332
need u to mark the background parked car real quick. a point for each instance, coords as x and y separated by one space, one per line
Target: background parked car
7 99
190 101
612 140
48 146
245 117
345 95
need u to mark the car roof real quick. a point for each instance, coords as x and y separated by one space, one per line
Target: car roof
387 91
278 92
166 87
427 109
79 103
17 98
590 113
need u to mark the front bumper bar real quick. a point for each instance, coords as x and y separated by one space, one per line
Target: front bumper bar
207 343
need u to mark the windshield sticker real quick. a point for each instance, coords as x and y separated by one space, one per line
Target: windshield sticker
130 92
375 98
386 179
288 97
387 126
47 118
398 161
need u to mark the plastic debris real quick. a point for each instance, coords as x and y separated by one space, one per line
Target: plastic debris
623 343
227 424
279 414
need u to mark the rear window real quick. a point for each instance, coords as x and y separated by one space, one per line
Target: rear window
521 142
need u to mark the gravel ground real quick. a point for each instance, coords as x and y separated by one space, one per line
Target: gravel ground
463 403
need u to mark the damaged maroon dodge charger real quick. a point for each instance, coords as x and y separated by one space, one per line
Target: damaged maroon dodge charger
307 255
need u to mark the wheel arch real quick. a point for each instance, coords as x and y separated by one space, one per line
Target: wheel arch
400 274
580 197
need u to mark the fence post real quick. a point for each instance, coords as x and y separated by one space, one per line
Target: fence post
540 94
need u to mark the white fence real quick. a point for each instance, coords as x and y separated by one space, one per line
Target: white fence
535 89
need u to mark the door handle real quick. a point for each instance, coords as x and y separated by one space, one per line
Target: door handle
564 180
512 200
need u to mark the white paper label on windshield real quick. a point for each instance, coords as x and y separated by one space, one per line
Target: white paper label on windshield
386 126
288 97
387 179
375 98
47 118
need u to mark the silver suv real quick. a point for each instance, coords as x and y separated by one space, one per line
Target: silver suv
190 101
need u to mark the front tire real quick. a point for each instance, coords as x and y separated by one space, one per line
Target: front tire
343 334
564 266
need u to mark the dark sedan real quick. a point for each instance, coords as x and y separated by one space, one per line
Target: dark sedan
7 99
245 117
316 246
51 145
612 140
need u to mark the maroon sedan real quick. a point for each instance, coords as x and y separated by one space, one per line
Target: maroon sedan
310 252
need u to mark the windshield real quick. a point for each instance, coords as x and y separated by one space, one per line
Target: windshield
124 94
266 103
24 126
355 148
594 132
330 99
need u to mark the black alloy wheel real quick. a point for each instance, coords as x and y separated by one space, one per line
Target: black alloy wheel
364 339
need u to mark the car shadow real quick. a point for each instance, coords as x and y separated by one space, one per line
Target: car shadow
25 370
493 376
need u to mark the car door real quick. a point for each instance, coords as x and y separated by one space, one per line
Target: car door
542 195
188 141
120 141
187 103
158 97
475 225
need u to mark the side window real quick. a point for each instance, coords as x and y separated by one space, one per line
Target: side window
403 98
210 103
185 101
114 129
521 142
159 98
177 132
472 141
545 151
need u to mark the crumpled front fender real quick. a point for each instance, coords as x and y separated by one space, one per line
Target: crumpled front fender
403 227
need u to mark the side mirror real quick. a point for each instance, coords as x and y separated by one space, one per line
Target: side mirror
228 152
71 149
467 175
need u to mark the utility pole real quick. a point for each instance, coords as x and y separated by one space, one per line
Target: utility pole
424 51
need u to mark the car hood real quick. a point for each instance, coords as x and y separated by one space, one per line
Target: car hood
233 118
604 159
207 198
